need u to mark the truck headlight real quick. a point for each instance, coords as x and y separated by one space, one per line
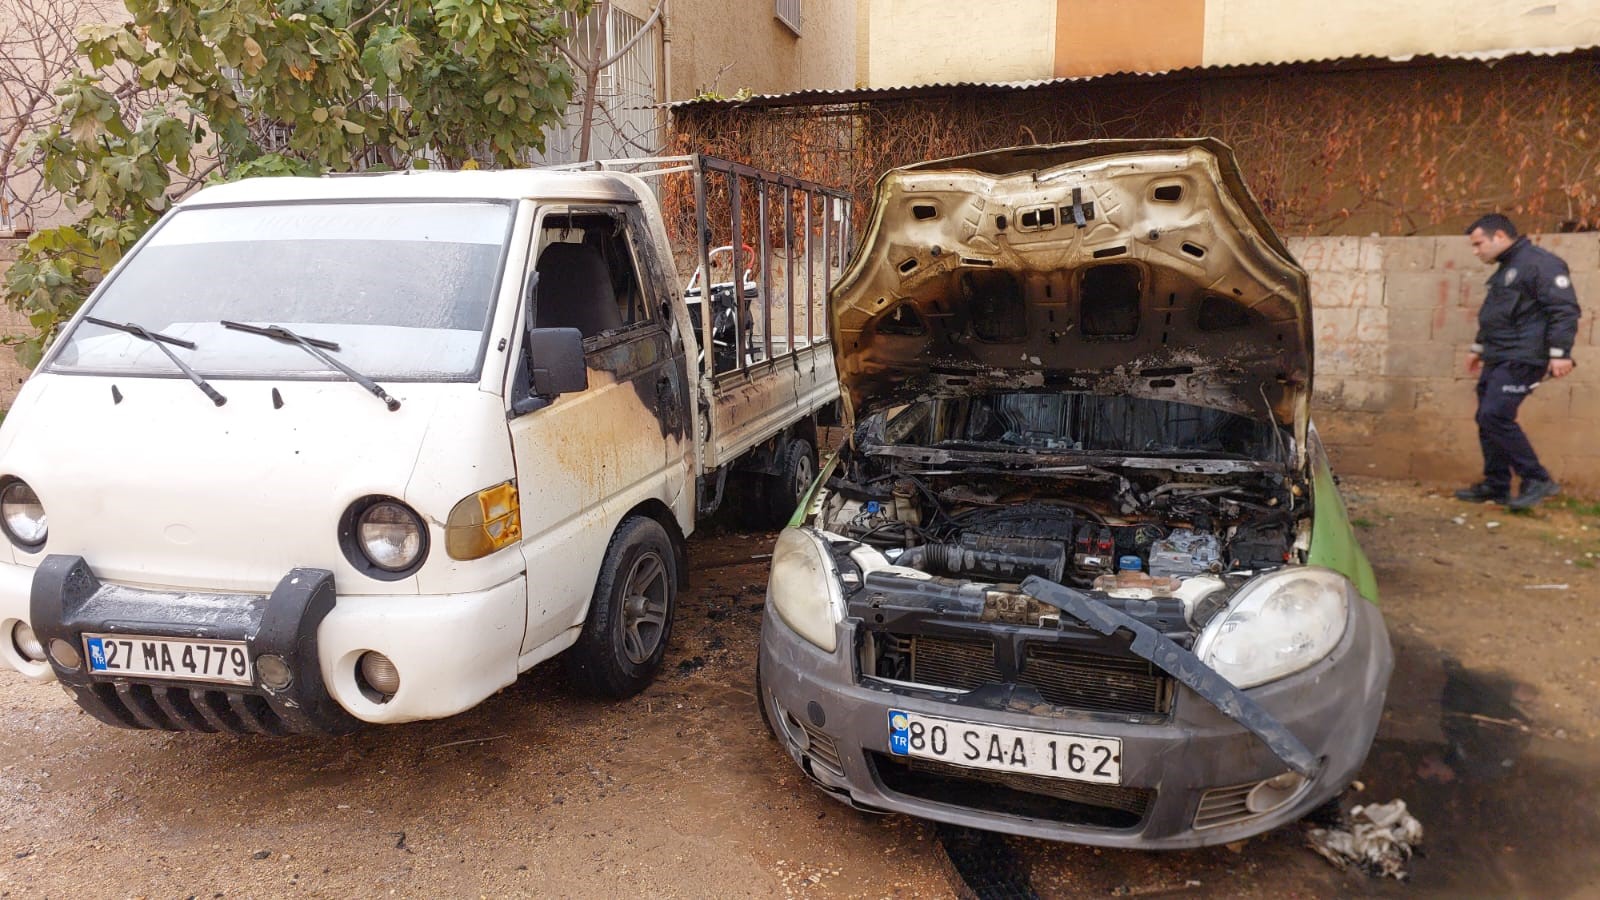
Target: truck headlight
22 515
804 587
1277 625
383 538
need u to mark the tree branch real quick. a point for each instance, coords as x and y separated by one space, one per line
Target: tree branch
366 18
643 30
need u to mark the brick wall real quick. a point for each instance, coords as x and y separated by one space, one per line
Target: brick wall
1393 319
12 373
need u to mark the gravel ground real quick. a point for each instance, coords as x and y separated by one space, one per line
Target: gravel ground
1490 736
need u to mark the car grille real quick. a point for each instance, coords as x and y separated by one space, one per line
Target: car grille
190 709
952 662
821 748
1095 681
1224 806
1063 676
1055 799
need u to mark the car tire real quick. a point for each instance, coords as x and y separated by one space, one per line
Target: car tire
625 636
796 470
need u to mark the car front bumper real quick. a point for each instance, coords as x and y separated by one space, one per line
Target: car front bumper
451 651
1184 779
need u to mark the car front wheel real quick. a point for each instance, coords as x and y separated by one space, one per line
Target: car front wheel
630 618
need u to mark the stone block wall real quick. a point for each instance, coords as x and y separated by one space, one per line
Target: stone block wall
1393 319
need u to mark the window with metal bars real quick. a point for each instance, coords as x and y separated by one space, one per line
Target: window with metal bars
788 12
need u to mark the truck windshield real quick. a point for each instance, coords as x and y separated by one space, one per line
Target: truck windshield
405 289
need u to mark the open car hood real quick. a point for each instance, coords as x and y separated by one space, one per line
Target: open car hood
1142 268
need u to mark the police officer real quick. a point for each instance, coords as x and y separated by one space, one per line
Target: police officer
1526 328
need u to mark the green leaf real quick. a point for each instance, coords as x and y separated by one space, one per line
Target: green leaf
29 353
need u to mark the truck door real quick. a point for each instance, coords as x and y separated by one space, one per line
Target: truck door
588 457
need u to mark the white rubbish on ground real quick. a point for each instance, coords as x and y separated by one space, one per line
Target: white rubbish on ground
1378 838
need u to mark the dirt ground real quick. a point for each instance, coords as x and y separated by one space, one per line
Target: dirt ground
1490 737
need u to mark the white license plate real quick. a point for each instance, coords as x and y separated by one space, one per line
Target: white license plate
1077 757
153 657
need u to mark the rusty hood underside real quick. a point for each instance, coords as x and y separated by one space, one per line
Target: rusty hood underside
1142 268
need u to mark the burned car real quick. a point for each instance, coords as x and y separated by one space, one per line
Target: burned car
1081 571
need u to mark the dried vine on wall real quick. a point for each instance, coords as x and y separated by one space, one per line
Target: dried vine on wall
1396 151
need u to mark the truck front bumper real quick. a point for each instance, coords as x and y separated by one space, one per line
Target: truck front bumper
451 651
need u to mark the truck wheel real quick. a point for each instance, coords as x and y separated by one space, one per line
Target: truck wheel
796 471
630 617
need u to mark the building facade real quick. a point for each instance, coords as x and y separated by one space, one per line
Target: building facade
670 50
912 42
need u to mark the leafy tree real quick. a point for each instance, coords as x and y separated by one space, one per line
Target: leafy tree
37 50
263 87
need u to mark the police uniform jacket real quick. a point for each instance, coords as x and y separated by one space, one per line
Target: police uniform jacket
1530 313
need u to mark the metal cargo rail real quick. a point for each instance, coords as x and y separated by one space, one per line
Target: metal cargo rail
764 249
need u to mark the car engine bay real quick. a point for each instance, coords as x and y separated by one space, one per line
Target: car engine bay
1122 525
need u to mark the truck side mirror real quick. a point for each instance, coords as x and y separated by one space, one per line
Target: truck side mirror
555 358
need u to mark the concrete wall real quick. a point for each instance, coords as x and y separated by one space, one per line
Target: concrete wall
910 42
1255 31
1094 37
1394 317
944 41
725 47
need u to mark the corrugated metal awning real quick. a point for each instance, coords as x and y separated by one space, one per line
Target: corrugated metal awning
842 96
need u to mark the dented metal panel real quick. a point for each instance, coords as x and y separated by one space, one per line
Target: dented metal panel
1180 664
1142 268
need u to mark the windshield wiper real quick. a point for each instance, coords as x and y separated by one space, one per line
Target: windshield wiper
161 341
312 346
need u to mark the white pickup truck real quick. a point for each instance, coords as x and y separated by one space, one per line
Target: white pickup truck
325 451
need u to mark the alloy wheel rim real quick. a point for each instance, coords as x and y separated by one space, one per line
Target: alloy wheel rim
802 478
644 607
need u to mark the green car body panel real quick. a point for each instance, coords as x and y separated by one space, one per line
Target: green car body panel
1333 540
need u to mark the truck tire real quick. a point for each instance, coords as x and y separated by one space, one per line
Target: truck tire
784 491
630 618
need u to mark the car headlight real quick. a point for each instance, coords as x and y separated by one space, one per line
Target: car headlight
22 515
804 587
1277 625
384 538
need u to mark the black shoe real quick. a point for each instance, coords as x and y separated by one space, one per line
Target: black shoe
1483 492
1532 492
